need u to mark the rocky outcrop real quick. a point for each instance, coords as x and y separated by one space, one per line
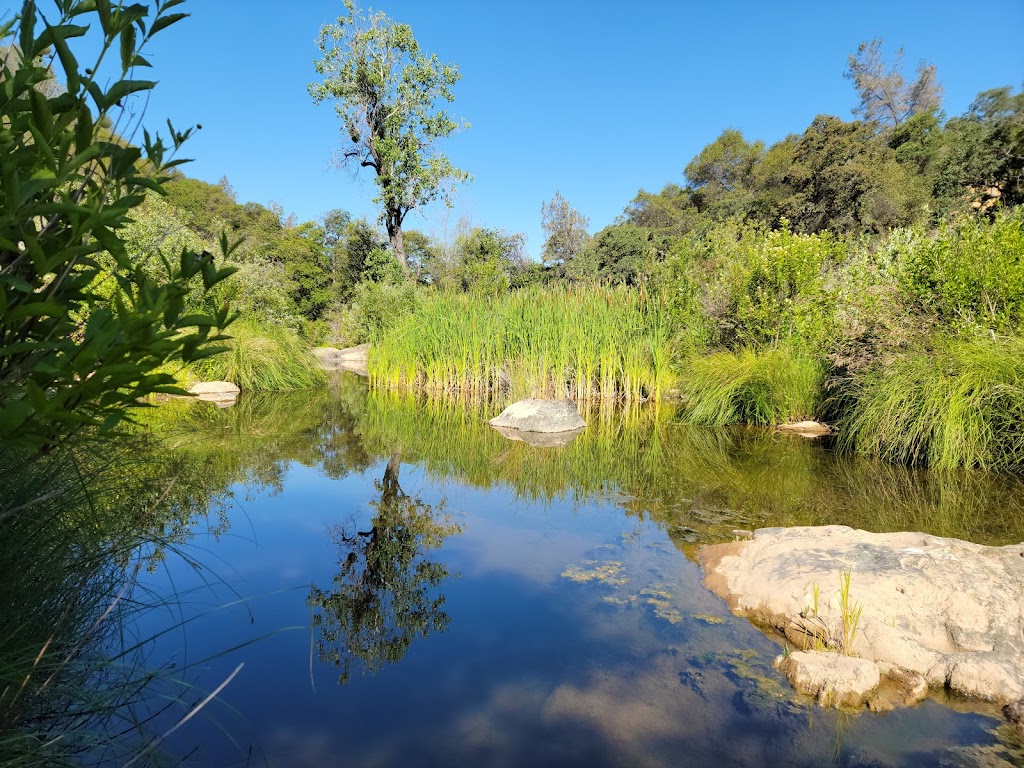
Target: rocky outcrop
540 416
223 393
946 610
352 359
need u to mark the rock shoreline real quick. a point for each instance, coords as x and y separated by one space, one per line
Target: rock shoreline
932 609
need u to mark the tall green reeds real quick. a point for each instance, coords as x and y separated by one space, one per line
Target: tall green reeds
762 387
958 403
262 356
583 344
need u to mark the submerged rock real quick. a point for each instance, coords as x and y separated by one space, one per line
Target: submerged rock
540 416
352 359
834 680
949 611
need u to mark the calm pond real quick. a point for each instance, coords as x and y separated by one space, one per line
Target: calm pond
477 601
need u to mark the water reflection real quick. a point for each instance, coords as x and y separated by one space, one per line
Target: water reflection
385 593
540 662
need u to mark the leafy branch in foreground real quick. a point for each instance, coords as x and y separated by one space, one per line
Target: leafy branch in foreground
84 324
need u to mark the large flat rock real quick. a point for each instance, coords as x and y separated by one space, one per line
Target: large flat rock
946 609
540 416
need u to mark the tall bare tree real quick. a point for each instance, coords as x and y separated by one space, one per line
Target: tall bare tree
886 98
565 230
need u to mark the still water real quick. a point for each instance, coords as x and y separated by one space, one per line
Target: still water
402 586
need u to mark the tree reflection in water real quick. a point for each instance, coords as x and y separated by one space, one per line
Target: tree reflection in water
385 593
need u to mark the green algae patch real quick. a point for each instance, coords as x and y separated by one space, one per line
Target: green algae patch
606 572
707 618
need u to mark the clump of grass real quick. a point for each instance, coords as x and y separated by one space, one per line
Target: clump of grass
959 403
262 356
849 614
818 633
606 343
749 386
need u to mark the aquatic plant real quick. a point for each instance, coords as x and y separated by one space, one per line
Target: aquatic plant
954 403
764 387
261 356
609 343
818 634
849 614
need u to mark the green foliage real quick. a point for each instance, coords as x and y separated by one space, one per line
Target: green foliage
71 355
957 403
262 356
622 254
375 309
748 286
488 260
846 179
767 387
386 93
970 275
984 153
607 343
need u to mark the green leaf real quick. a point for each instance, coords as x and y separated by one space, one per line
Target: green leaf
165 21
13 415
67 59
127 47
123 88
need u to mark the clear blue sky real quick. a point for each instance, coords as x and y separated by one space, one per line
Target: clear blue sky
594 99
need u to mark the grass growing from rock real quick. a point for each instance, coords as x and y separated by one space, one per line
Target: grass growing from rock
261 356
957 404
762 387
583 344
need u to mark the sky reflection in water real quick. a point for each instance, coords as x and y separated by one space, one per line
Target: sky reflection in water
489 603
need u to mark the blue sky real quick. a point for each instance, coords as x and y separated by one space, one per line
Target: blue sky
593 99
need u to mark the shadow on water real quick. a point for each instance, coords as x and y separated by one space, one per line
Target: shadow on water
616 655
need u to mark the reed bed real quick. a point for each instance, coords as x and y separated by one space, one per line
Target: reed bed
610 343
762 387
958 403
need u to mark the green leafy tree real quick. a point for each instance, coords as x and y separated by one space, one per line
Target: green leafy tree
721 176
620 254
845 178
488 260
983 158
74 353
386 92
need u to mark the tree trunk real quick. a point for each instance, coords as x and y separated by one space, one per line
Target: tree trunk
397 243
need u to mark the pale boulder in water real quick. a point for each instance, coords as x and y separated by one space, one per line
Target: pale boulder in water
540 416
352 359
947 610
